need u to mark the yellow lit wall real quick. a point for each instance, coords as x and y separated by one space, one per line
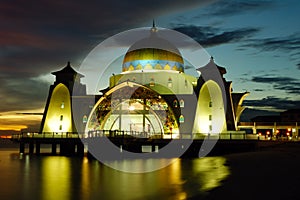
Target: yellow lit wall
181 83
59 115
210 113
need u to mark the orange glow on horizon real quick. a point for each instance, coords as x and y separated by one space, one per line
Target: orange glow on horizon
13 121
13 127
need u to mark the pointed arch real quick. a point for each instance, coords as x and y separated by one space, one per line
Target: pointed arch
59 114
210 113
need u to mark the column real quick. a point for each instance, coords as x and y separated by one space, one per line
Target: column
31 147
37 148
22 147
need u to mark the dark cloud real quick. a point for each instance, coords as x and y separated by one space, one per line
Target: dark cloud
259 90
55 32
272 102
288 84
250 113
290 43
208 36
234 7
23 94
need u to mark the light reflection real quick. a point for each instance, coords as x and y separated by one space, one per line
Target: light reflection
56 178
66 178
210 171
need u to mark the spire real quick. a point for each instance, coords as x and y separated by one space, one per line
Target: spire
153 29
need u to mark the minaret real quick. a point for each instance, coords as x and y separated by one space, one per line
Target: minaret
58 116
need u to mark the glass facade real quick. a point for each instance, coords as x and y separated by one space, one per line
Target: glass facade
136 110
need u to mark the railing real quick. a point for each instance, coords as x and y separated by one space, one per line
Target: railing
135 134
46 135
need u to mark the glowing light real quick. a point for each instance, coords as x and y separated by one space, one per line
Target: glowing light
131 108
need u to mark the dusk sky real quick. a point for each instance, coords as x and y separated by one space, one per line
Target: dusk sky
257 42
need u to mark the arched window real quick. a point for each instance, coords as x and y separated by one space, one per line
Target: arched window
181 119
181 103
62 105
175 103
170 83
152 82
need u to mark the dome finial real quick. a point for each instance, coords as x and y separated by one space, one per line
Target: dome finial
153 29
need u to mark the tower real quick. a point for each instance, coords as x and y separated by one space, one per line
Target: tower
58 114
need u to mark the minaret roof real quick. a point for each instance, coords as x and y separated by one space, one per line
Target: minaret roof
67 70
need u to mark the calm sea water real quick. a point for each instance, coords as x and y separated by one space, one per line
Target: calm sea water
69 178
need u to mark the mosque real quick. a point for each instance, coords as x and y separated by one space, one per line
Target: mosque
152 96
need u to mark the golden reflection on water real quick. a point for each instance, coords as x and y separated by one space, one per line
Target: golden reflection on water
211 170
55 178
65 178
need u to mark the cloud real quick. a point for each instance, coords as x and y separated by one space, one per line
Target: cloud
258 90
288 84
208 36
250 113
33 34
22 94
289 44
233 7
272 103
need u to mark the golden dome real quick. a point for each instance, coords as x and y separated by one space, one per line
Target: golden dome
151 52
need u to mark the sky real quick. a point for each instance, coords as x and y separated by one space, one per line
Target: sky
257 42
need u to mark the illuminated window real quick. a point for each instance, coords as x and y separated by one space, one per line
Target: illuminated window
181 103
175 103
84 119
62 105
170 84
210 117
61 117
181 119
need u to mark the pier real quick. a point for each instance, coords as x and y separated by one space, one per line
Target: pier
73 144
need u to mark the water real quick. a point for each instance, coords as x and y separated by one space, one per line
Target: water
70 178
